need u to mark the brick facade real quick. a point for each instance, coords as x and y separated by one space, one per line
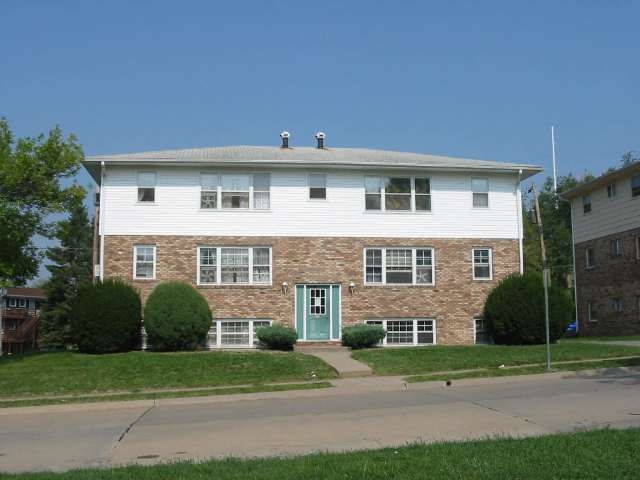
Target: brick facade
454 300
611 277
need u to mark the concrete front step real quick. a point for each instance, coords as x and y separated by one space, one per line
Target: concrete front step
306 346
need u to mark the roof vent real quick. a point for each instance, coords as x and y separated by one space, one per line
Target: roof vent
285 139
320 137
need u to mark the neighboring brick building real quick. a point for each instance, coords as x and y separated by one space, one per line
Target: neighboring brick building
606 228
20 312
316 238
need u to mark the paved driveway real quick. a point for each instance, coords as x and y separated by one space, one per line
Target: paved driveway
358 413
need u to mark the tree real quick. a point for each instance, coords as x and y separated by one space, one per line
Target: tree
31 172
71 269
628 158
556 219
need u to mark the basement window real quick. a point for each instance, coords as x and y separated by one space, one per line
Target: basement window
235 333
407 331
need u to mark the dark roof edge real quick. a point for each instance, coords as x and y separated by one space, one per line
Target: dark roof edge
601 181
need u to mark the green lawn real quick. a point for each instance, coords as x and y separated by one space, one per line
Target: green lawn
71 373
600 454
612 338
418 360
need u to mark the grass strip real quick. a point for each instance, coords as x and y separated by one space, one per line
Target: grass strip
598 454
506 372
157 395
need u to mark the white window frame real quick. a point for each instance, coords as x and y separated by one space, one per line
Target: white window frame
590 313
309 186
135 256
22 303
617 304
473 264
588 264
415 320
414 276
631 180
473 192
475 331
587 202
412 195
219 266
12 302
250 176
215 332
611 190
616 247
155 187
216 191
637 247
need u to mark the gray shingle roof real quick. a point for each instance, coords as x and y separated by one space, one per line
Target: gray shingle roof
307 157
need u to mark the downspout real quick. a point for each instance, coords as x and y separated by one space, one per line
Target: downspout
101 218
520 226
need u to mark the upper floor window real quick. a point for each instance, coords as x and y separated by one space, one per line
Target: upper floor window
208 190
480 189
144 265
12 302
234 265
22 302
635 186
398 194
317 186
616 247
402 266
261 191
590 257
611 190
146 187
235 191
586 204
482 264
638 247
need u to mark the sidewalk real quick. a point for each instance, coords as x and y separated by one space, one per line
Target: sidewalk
340 359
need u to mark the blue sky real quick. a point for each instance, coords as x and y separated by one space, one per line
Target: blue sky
471 79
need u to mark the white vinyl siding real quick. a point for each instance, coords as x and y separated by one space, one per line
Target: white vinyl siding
177 211
144 262
234 265
399 266
407 331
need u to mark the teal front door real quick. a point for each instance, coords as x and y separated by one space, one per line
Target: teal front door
318 308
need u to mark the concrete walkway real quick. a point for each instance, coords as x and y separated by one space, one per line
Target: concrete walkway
365 412
340 359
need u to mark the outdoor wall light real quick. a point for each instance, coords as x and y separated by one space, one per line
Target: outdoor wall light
352 287
285 287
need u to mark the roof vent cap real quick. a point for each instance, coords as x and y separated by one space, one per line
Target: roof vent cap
285 139
320 136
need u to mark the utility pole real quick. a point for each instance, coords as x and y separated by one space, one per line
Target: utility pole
545 273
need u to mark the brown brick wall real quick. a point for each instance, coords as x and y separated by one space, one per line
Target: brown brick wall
611 277
453 301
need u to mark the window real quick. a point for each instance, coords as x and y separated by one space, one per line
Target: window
234 265
235 333
399 266
261 191
317 186
638 248
635 186
590 257
373 193
22 302
611 190
235 191
480 189
404 194
407 331
482 264
617 304
592 313
144 262
208 190
586 204
483 337
12 302
146 187
616 247
423 194
318 301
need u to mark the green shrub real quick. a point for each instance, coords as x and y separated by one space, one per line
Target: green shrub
514 311
106 317
277 337
176 317
362 336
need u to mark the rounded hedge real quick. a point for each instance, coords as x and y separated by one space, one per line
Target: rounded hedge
362 336
277 337
176 317
106 317
514 311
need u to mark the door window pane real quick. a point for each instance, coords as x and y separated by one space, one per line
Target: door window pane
318 301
